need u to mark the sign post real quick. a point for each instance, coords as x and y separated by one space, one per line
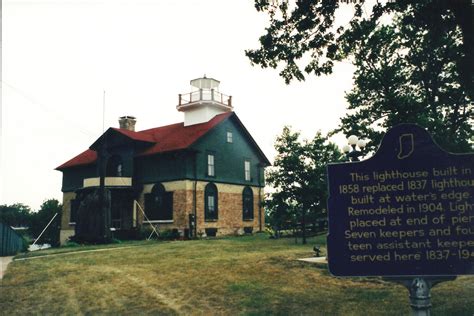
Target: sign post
420 291
407 214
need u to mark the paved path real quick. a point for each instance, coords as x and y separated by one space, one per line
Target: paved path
315 260
4 261
72 253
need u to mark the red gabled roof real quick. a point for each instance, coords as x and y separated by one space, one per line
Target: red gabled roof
165 138
178 136
87 157
135 135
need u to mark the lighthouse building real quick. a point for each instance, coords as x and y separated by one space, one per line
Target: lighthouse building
203 176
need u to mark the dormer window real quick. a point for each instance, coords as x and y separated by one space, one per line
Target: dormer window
114 166
119 170
229 137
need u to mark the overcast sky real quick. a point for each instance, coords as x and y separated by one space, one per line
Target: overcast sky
59 56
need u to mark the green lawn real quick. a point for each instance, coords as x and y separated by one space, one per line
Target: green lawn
240 275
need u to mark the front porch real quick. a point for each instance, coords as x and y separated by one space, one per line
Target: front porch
92 219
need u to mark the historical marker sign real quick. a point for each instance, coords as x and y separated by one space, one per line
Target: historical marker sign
408 210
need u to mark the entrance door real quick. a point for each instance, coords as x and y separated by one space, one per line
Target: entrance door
121 209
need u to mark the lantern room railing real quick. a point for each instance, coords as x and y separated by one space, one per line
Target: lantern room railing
205 95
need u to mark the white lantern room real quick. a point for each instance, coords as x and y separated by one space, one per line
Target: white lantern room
203 102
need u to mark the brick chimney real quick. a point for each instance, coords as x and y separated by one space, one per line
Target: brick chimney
128 122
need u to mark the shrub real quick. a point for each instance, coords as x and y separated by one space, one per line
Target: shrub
169 234
145 231
71 243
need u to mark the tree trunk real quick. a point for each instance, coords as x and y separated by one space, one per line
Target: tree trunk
295 231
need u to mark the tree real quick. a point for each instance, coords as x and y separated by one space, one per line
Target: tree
16 215
298 177
279 212
41 218
405 74
306 29
417 68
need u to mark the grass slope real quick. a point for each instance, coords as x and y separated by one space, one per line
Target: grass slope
241 275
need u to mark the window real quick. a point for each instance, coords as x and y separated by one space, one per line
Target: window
210 165
211 232
114 167
248 230
247 204
159 204
211 206
247 170
229 137
210 202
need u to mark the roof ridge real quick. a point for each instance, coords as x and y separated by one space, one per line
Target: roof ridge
154 128
179 123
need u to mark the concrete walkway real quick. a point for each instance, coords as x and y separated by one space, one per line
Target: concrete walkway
4 261
72 253
320 260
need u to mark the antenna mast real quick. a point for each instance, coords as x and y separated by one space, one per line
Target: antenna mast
103 113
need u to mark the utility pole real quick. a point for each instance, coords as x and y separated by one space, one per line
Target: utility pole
104 209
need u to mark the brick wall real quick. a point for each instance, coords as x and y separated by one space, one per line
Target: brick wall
229 220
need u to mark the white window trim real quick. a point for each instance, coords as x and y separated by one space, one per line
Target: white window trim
213 199
230 137
211 168
247 172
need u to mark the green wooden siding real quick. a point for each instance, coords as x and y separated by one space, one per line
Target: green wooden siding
229 158
73 178
159 168
229 161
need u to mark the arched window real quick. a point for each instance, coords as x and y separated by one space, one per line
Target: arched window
114 167
247 204
210 202
159 203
